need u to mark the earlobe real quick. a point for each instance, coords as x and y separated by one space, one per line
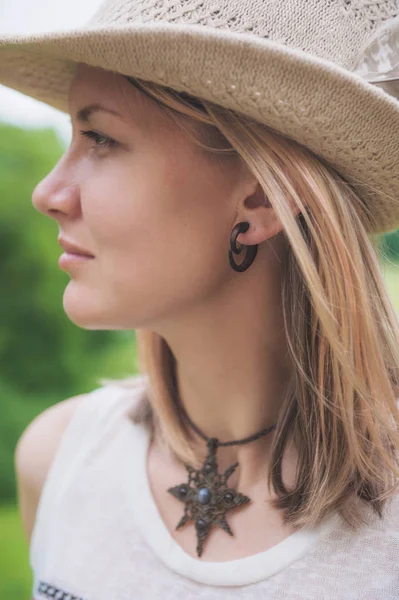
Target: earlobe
263 225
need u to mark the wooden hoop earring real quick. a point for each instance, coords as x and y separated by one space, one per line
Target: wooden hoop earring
251 250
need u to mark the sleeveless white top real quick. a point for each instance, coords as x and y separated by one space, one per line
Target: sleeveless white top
98 534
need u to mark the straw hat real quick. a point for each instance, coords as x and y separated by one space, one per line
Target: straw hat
302 67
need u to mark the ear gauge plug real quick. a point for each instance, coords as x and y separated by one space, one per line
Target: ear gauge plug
251 250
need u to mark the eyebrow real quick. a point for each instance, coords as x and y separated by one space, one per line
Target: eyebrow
83 115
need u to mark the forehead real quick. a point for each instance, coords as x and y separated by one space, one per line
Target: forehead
95 85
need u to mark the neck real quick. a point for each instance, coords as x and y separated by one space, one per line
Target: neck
233 370
243 409
231 391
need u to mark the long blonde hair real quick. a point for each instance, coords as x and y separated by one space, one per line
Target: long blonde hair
342 331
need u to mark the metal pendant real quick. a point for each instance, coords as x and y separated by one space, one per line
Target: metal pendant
207 497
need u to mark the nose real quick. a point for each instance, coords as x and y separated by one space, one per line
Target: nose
55 196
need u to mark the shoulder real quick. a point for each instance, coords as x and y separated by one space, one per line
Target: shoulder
40 442
40 439
34 453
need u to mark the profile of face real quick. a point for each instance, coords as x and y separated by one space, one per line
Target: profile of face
152 209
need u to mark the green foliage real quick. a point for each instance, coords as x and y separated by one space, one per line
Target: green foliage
44 357
37 340
389 245
16 579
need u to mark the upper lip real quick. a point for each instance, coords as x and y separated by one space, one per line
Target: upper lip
69 246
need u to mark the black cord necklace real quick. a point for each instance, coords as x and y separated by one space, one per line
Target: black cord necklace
206 495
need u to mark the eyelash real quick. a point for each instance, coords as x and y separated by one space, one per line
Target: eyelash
109 143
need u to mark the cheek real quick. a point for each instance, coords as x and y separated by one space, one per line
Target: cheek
107 208
171 241
161 241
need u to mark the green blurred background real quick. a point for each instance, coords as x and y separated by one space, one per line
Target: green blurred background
44 357
41 351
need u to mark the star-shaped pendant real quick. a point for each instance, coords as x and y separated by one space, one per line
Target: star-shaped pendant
207 497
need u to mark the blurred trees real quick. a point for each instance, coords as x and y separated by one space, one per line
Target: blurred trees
44 357
390 245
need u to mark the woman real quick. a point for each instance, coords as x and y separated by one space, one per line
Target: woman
256 454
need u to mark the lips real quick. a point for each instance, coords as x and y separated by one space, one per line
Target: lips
73 248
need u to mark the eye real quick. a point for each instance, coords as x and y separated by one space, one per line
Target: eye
101 141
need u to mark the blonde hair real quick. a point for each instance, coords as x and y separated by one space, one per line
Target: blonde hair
342 331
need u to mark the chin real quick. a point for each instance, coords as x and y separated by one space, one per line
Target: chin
78 305
87 309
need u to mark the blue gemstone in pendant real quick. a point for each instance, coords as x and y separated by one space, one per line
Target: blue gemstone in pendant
204 495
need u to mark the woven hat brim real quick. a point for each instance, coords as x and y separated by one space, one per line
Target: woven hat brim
351 124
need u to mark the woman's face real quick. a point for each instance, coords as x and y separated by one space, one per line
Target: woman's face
155 213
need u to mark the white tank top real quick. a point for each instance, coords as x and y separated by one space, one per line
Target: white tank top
98 534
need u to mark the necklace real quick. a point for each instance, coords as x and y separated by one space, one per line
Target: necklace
206 495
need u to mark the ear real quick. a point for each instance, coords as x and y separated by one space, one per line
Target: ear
261 216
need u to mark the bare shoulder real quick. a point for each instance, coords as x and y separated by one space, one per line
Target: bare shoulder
34 454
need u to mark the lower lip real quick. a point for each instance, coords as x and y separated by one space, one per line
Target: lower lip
68 258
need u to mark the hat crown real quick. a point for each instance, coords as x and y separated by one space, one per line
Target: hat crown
334 30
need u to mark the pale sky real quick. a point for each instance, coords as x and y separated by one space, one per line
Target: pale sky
36 16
